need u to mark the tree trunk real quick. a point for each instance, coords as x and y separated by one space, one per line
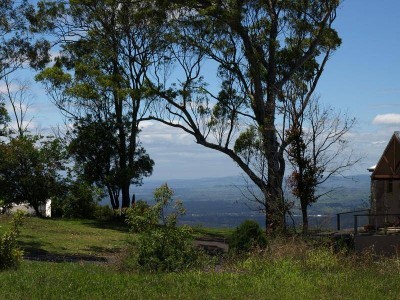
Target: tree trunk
37 211
275 209
304 213
276 170
113 199
126 199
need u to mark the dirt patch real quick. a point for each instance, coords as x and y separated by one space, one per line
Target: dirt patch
212 245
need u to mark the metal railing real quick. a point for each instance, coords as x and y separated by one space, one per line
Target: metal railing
338 216
375 226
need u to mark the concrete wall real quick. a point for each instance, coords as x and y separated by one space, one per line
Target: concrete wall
378 244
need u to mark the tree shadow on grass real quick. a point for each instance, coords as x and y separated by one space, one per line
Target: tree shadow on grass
103 250
34 251
117 224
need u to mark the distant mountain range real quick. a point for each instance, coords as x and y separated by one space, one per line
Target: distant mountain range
222 202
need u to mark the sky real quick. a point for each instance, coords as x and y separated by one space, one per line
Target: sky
361 78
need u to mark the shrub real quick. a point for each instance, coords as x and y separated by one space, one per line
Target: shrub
10 254
166 249
141 217
79 201
103 213
162 246
246 237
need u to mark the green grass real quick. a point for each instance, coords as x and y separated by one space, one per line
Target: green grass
213 232
69 237
292 270
283 279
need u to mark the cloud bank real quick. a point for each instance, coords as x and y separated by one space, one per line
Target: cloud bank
387 119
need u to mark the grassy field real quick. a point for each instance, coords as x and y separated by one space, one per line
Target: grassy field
291 270
69 238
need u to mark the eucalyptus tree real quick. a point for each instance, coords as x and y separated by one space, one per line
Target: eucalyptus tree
99 81
19 42
259 48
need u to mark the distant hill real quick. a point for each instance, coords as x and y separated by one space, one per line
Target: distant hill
221 202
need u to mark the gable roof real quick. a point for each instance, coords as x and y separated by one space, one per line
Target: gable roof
388 166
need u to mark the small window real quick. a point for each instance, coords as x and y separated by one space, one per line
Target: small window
390 186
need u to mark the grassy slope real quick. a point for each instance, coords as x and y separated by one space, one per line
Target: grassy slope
293 271
68 237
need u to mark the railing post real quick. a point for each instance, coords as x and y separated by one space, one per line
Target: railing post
338 221
355 225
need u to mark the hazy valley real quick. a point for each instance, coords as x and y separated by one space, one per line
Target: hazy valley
221 202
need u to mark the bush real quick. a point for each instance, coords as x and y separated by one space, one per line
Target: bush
166 249
103 213
141 217
10 254
246 237
80 201
162 246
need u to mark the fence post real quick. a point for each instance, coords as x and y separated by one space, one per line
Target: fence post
355 225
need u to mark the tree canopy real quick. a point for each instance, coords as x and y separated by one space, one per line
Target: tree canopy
30 170
18 40
262 49
99 81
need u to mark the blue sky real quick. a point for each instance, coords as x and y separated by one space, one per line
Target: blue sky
361 78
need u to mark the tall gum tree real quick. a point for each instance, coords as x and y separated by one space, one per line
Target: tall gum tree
260 47
108 48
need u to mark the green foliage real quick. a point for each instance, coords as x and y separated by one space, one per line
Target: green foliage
18 44
4 119
10 254
166 249
100 85
103 213
30 170
162 246
246 237
141 217
80 201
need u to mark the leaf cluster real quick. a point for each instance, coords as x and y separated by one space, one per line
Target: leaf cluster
10 254
246 237
162 246
18 43
30 169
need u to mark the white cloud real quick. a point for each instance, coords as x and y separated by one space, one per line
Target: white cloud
380 142
30 125
13 88
146 124
387 119
157 134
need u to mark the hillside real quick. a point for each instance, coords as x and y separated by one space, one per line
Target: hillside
221 202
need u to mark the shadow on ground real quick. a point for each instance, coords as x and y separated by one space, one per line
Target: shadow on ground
33 251
118 224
